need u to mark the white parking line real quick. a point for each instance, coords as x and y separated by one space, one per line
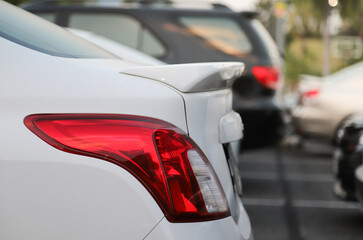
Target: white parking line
307 162
309 177
325 204
300 203
263 161
263 202
303 177
260 175
304 162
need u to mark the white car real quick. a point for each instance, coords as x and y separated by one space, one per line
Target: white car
93 147
327 104
118 49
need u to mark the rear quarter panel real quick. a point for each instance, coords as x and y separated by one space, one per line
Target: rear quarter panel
50 194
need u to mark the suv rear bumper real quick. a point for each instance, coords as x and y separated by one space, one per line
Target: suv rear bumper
263 119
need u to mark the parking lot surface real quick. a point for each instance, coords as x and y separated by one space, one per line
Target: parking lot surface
288 196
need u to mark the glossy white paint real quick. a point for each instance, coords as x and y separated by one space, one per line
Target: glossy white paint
82 86
210 118
50 194
193 77
58 197
205 112
230 127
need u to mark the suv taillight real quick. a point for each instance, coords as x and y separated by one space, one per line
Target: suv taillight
267 76
161 156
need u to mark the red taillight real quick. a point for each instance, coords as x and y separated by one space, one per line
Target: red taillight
313 93
267 76
309 96
161 156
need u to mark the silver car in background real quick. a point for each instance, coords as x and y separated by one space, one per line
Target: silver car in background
323 108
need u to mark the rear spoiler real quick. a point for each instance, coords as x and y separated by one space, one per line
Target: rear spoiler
193 77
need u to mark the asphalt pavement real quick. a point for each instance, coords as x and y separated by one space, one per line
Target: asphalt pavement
287 194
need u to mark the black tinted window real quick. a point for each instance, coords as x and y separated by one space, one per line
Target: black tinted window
222 33
47 16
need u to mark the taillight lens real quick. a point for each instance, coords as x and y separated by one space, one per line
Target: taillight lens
161 156
309 96
267 76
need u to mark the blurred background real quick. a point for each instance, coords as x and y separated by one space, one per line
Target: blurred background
316 37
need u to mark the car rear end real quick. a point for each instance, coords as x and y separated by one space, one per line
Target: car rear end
219 144
212 123
206 128
91 151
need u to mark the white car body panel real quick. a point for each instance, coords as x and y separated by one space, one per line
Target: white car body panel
206 111
211 120
195 77
230 127
203 128
51 194
101 88
76 198
45 176
25 95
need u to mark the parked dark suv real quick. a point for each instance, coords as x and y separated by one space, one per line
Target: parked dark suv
187 35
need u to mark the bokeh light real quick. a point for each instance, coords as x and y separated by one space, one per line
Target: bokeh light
333 3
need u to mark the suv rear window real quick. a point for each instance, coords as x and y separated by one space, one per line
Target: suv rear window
120 28
47 16
222 33
25 29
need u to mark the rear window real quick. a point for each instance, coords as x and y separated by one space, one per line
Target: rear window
30 31
222 33
267 39
121 28
47 16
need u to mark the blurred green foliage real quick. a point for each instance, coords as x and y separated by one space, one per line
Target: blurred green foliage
304 44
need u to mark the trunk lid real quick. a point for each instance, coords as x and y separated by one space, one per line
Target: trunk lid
211 122
194 77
